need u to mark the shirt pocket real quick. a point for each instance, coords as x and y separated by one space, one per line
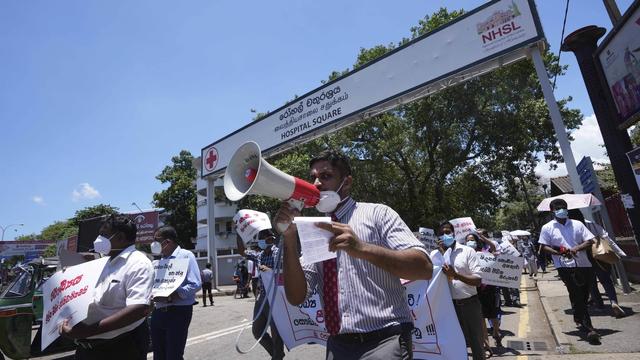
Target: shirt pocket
114 295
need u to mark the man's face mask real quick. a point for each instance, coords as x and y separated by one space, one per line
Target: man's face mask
561 213
448 239
329 200
156 248
472 244
262 244
102 244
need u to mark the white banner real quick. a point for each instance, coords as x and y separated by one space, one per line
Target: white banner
67 295
500 270
490 36
462 227
428 238
169 275
436 333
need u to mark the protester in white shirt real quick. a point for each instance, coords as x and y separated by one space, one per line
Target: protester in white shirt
567 241
115 327
463 271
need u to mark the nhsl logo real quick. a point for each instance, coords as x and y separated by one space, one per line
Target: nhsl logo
499 24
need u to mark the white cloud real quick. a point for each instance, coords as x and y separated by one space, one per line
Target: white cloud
84 191
587 142
38 200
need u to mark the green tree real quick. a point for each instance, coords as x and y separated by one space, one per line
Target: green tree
28 237
92 212
179 199
59 230
50 251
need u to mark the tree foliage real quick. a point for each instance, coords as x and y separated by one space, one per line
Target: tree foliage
179 199
462 151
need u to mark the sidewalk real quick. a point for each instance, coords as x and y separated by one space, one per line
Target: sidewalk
618 335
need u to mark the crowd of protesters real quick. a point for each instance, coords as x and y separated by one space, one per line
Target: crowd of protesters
375 249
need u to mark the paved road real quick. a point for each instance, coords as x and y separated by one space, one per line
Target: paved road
214 330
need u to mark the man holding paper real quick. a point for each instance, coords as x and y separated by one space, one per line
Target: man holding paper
366 313
115 327
171 318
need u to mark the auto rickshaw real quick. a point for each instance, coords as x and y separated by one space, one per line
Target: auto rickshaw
21 308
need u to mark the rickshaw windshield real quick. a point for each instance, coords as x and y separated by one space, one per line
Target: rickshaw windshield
19 287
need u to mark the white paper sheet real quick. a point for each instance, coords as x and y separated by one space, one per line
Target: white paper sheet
314 240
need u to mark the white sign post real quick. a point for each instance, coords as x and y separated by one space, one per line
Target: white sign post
477 42
67 295
500 270
435 336
169 275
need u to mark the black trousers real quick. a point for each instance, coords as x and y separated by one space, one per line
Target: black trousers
132 345
206 287
578 283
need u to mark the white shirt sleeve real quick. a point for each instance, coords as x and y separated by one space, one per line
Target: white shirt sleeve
139 285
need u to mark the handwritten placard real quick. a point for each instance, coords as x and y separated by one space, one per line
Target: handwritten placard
428 238
462 227
500 270
169 275
67 295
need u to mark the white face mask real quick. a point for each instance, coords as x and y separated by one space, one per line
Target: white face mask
329 200
102 245
156 248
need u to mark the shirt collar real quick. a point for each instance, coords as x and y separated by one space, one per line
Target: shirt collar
124 254
555 221
174 253
346 205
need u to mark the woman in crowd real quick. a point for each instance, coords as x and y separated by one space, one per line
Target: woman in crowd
488 294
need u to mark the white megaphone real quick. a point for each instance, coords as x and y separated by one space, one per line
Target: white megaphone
248 173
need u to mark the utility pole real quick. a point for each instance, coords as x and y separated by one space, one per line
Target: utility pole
583 43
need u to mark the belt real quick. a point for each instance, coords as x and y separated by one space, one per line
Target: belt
376 335
464 301
174 308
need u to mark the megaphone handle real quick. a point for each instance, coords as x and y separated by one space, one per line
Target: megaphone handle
298 204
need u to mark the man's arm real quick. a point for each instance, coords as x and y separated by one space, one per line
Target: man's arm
192 282
295 283
472 280
410 264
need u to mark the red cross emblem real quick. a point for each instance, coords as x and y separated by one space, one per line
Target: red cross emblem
211 160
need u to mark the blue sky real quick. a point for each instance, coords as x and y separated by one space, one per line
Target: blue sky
97 96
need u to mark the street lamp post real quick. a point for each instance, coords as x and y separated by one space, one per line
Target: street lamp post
136 205
5 228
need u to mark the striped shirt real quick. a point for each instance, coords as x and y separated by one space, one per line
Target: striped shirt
370 298
262 258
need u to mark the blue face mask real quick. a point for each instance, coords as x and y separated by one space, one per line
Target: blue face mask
561 213
262 244
448 239
472 244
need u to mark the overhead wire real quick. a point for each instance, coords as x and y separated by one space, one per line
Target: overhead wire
564 25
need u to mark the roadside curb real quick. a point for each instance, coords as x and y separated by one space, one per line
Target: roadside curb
562 342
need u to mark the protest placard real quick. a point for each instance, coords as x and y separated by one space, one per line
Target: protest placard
67 295
505 247
435 336
462 227
169 275
500 270
428 238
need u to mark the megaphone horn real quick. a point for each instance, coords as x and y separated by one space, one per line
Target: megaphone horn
248 173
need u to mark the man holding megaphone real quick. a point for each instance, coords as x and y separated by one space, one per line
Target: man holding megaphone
366 312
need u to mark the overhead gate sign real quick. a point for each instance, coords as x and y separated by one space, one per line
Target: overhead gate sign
495 34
